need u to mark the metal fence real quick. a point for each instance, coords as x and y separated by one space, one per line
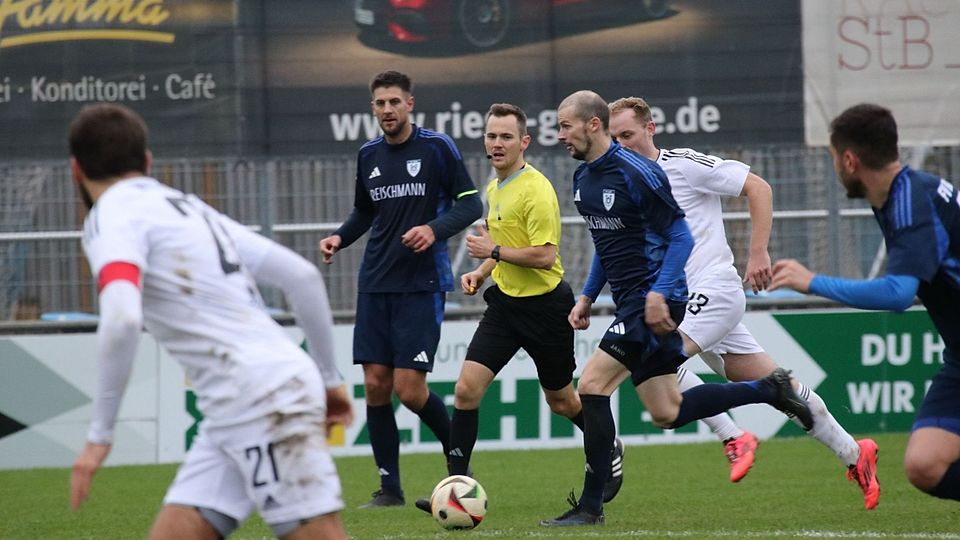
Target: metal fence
299 200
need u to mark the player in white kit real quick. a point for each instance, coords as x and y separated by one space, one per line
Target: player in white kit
187 273
712 326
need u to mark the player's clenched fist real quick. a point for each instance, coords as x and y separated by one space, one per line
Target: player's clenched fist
471 282
329 246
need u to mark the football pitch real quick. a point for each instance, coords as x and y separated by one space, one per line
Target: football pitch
796 489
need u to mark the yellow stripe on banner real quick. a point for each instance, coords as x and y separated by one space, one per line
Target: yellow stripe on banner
76 35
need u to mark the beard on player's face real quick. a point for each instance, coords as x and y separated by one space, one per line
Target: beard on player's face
398 126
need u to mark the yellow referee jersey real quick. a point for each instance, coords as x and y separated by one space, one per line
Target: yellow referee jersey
524 212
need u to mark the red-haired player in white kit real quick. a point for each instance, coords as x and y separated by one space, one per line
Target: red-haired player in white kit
169 262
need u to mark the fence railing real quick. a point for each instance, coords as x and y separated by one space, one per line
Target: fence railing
299 200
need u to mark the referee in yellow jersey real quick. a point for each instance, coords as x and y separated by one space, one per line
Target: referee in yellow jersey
528 303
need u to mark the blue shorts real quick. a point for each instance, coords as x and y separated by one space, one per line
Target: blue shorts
631 342
400 330
941 405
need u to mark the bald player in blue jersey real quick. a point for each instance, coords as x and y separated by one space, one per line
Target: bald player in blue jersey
642 243
919 215
412 193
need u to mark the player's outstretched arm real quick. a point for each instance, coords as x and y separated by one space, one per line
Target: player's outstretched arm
118 334
760 202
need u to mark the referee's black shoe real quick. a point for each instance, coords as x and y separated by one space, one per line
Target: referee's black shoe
615 480
424 504
576 515
786 399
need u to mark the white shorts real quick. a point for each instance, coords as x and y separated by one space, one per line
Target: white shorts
278 465
714 314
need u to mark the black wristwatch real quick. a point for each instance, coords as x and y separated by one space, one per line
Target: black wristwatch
495 254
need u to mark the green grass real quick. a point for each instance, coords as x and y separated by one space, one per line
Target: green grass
796 489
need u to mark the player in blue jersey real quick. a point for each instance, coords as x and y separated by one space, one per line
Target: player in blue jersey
919 215
412 193
642 243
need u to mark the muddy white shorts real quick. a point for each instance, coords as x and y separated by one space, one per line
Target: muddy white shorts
278 465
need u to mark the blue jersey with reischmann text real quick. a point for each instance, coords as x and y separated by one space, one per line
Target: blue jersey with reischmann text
405 185
626 202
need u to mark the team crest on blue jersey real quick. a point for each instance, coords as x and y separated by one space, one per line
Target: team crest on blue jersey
608 197
413 167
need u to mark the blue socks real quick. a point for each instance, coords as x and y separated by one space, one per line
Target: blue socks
597 441
949 486
385 441
706 400
434 414
463 436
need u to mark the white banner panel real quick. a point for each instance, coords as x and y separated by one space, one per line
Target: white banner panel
902 54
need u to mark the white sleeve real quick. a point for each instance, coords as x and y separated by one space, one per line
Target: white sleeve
115 231
303 287
710 174
277 266
118 334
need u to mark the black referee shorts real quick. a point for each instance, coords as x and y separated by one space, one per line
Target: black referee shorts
536 324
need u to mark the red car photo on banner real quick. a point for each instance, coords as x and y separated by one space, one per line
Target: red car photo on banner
483 24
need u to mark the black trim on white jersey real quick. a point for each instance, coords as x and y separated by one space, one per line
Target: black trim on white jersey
693 156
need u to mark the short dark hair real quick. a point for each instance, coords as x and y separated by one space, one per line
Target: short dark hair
390 78
586 105
640 108
108 140
869 131
506 109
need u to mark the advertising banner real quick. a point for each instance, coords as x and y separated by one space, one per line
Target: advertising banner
250 77
902 54
173 61
872 369
717 73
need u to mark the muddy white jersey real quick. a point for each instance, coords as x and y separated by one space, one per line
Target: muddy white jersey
698 181
199 301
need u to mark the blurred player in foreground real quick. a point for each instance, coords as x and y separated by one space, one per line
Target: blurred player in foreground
919 215
167 261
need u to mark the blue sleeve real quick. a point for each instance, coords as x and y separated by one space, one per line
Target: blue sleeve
357 223
671 270
360 219
596 279
465 211
894 293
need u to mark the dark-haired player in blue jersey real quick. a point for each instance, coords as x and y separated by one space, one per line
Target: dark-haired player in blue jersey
412 193
642 243
919 215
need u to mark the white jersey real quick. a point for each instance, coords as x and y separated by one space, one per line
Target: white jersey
199 300
698 181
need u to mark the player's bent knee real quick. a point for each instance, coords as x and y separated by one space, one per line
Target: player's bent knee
467 394
665 417
924 474
564 407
